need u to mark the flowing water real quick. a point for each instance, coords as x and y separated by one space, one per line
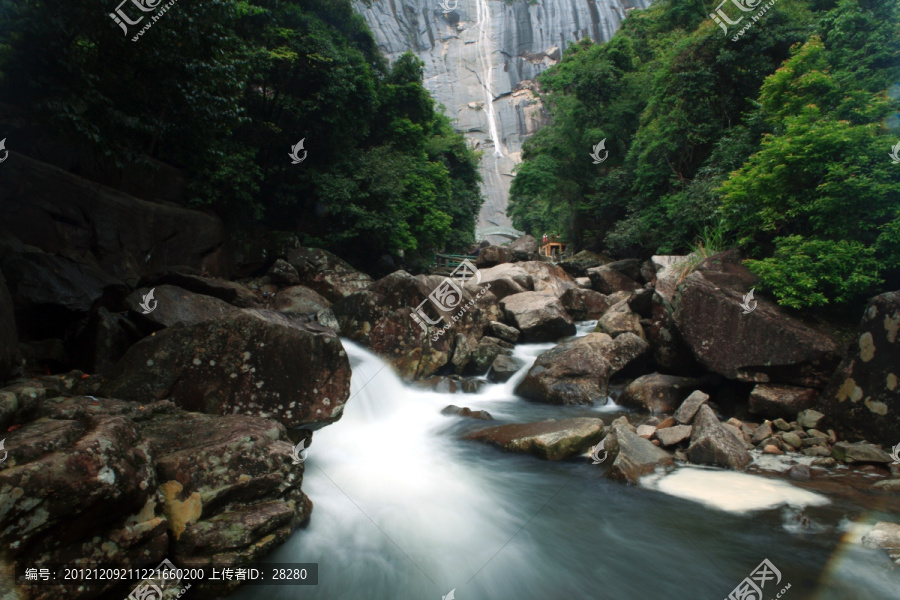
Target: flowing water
405 509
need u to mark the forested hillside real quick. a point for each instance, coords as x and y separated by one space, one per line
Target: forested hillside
225 89
777 143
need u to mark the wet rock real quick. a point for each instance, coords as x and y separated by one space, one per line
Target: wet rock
504 332
472 385
283 273
635 456
503 368
785 401
658 393
567 374
810 419
799 473
860 452
608 281
641 302
381 319
619 319
690 406
548 278
863 397
811 441
671 436
249 364
327 274
886 536
306 303
583 305
540 317
464 411
551 440
766 345
578 264
488 349
10 359
713 444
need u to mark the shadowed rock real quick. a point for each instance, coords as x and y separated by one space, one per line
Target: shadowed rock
658 393
713 444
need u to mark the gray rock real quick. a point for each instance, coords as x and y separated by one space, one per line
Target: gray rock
584 304
784 401
762 433
712 444
488 349
608 281
860 452
578 264
465 411
810 419
670 436
635 456
570 373
548 278
657 393
177 305
690 406
792 439
505 332
584 283
819 451
540 317
799 473
326 273
304 302
551 440
503 368
283 273
620 319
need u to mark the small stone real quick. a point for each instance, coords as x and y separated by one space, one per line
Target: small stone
669 422
770 449
671 436
814 441
799 473
762 433
809 418
816 433
828 463
690 406
792 439
735 422
781 424
646 431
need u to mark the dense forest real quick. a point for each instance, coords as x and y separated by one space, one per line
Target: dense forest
226 88
777 143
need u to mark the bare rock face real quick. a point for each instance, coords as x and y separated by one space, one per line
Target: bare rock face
381 318
766 345
551 440
540 317
327 274
863 397
250 364
780 401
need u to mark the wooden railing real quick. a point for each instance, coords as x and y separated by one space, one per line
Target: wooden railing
444 264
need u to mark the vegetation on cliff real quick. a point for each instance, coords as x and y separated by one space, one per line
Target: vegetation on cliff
777 142
226 88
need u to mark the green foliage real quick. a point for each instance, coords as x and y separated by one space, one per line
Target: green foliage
713 142
224 88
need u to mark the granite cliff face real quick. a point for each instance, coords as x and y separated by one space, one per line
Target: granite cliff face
481 58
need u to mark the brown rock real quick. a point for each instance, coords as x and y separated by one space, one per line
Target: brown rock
784 401
657 393
540 317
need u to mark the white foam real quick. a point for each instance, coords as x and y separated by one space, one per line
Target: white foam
732 491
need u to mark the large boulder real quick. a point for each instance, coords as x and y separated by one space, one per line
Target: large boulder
620 319
540 317
548 278
780 401
635 456
507 279
491 256
607 280
551 440
227 291
670 351
667 275
766 345
863 397
384 319
123 236
503 368
327 274
10 360
629 267
254 364
523 249
657 393
173 305
304 302
713 444
104 340
578 372
860 452
578 264
583 305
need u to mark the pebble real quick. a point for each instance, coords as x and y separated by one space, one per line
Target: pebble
770 449
781 424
